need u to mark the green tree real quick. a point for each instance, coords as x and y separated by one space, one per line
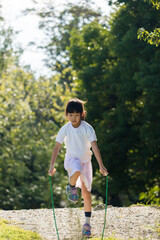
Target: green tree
31 112
128 97
146 77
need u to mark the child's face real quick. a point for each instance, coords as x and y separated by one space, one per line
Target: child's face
74 118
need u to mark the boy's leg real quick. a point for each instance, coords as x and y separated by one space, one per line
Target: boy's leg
87 198
87 209
74 177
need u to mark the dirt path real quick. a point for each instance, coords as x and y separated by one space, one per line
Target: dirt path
135 222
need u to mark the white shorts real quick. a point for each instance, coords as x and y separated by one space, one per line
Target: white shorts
74 164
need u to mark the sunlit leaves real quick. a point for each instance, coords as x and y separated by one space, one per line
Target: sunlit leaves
152 38
156 3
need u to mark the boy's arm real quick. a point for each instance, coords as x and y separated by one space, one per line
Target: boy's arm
97 154
53 158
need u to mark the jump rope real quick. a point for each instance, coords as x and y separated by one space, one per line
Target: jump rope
54 211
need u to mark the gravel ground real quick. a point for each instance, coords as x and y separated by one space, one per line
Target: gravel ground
135 222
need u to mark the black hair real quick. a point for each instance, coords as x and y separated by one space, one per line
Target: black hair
76 105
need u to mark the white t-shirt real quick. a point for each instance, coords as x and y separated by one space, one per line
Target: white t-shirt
77 140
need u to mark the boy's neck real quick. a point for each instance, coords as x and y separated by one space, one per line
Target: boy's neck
76 125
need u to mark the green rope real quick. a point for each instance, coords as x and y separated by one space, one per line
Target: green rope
105 207
53 207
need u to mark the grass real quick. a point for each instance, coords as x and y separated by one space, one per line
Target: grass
9 232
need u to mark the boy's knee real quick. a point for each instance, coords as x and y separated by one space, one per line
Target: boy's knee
76 174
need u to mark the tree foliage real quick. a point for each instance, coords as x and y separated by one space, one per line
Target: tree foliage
31 112
155 3
153 37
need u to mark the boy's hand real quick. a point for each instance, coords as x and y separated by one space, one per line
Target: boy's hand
51 171
103 170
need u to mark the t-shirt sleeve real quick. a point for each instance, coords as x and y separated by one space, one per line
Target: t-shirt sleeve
91 134
61 135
